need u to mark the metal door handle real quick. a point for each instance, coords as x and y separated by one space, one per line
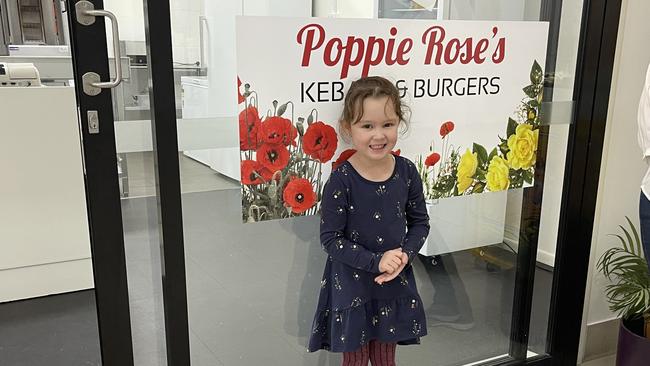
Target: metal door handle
203 20
86 14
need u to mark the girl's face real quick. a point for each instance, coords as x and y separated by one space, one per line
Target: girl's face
374 136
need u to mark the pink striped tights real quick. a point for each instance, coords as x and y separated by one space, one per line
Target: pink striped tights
378 353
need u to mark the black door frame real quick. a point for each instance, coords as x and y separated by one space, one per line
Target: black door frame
89 54
594 67
594 70
162 98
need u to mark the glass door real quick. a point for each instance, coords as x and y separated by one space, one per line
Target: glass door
216 278
253 284
114 97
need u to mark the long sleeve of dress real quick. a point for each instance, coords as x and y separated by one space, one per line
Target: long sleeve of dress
417 217
334 211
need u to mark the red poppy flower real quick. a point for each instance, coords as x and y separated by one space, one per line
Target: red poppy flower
267 174
299 195
240 97
248 139
278 130
249 124
397 152
446 128
345 155
273 156
251 172
432 159
320 142
249 117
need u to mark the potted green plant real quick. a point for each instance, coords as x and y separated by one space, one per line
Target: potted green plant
628 295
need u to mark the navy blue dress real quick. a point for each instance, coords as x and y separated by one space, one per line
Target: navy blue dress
361 219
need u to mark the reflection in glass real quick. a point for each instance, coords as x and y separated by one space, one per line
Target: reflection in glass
451 306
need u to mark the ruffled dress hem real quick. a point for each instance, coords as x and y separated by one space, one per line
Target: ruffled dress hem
400 321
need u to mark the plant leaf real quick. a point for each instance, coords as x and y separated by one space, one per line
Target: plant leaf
637 241
481 154
528 176
630 243
629 293
512 128
493 153
536 73
531 91
623 242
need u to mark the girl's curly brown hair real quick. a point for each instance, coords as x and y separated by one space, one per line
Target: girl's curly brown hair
371 87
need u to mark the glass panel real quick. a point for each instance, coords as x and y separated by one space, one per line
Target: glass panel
137 180
562 88
252 288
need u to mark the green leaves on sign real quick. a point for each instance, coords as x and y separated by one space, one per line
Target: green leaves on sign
481 154
480 174
512 128
531 91
503 146
536 74
528 176
493 153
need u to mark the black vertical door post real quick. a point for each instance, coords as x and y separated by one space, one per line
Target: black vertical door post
168 188
89 54
586 136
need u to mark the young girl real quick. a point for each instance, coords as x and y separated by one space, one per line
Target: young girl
373 223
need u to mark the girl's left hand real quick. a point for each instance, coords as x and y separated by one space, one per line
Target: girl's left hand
385 277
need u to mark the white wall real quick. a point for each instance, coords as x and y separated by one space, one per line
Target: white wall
492 10
622 167
185 29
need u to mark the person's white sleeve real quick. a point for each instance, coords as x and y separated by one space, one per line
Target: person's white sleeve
644 117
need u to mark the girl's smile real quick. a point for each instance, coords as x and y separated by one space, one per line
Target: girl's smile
375 134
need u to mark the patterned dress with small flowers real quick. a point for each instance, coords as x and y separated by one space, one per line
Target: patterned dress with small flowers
360 220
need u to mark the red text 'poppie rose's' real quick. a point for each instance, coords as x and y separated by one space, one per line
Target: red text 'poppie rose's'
353 51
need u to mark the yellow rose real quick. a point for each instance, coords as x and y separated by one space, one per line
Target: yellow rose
498 174
466 170
523 147
464 183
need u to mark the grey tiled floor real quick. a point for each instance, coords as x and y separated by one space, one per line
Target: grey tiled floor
252 290
55 330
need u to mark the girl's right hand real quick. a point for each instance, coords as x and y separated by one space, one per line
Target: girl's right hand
386 277
390 261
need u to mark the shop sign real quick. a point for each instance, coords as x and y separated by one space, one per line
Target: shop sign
474 89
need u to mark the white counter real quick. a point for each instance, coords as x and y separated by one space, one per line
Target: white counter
44 237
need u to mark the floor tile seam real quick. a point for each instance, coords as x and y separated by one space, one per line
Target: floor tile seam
206 347
205 272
